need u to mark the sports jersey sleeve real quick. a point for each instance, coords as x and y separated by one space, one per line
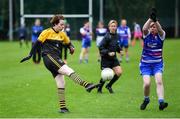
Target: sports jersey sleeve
163 36
144 36
129 33
43 36
82 31
103 44
66 38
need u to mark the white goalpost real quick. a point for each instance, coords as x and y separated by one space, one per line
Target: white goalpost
26 16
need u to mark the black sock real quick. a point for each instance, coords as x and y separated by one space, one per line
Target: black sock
115 78
101 84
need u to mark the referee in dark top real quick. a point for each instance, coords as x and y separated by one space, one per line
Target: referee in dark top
108 48
51 41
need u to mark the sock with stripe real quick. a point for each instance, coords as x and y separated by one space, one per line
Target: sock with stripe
76 78
61 94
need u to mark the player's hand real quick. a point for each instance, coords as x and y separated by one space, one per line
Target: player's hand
26 58
111 54
71 50
153 14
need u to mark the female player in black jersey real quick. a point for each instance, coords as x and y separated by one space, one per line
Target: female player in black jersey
108 48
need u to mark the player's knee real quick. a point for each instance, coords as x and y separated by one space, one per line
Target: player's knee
65 70
159 82
118 72
147 81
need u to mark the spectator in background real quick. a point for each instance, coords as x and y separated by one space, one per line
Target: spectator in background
124 38
86 42
137 34
36 30
23 35
64 48
100 33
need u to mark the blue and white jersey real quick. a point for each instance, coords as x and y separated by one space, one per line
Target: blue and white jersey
86 32
36 30
152 50
100 33
124 33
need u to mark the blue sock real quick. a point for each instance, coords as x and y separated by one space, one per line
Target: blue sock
160 100
146 98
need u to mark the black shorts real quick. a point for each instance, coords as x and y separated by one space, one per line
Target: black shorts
109 63
53 64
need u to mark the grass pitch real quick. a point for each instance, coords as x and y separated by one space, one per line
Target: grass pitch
28 90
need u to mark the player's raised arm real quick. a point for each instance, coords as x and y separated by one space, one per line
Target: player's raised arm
161 32
146 27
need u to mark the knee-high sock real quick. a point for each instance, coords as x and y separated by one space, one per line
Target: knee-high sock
115 78
101 84
61 94
76 78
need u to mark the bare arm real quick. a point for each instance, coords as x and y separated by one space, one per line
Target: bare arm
159 28
146 26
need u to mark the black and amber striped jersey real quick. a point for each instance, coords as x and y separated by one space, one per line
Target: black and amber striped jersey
52 41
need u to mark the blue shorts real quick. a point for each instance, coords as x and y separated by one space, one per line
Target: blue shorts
86 43
124 43
151 68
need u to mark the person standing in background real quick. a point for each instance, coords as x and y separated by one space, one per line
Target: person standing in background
86 42
137 34
36 30
23 35
124 38
64 49
100 33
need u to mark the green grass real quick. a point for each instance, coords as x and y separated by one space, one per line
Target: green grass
29 90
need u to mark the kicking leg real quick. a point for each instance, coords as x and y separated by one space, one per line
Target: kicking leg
66 70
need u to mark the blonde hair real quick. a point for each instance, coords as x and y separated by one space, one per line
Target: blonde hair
112 21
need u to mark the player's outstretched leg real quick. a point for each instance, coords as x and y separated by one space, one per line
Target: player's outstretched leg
65 70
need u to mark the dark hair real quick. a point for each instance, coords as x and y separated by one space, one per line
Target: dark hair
55 19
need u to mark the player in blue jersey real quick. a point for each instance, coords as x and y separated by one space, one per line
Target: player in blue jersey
86 42
100 33
124 38
151 63
36 30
